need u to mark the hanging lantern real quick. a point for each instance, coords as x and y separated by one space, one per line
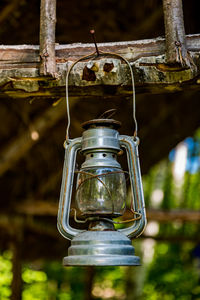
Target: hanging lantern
101 193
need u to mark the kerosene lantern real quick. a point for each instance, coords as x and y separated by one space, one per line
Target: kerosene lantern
101 194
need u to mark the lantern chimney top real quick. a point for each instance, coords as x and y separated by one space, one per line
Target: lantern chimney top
110 123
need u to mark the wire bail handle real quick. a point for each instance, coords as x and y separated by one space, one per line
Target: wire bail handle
93 55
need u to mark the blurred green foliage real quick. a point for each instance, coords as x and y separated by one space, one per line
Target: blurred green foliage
5 275
171 274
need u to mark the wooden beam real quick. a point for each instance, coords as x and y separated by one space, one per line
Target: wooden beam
173 238
17 148
43 208
176 48
33 227
47 37
8 9
19 70
165 216
47 185
50 208
41 228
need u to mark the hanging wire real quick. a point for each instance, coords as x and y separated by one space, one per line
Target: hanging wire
93 55
133 86
67 90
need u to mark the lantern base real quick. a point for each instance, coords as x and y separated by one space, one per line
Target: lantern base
101 248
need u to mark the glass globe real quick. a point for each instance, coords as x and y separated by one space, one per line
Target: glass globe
101 191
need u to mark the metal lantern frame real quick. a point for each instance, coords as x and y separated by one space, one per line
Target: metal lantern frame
101 247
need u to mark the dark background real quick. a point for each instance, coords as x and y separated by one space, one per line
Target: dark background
113 20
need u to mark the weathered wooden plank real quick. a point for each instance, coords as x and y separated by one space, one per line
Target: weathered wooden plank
20 78
30 53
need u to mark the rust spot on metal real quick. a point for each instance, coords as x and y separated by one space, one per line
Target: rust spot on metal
108 67
88 74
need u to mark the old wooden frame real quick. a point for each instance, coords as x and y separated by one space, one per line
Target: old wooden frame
20 65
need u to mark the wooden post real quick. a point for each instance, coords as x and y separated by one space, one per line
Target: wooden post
47 37
176 49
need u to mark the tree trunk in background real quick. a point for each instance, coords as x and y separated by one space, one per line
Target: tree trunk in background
89 278
134 282
130 285
134 277
16 285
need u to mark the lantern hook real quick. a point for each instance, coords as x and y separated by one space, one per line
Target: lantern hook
92 31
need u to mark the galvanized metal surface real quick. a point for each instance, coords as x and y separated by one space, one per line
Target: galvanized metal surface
101 158
66 190
131 146
101 248
100 138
